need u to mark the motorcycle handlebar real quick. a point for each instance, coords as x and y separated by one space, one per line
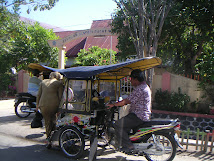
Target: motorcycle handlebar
112 109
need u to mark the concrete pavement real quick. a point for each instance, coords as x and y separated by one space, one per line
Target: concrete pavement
11 125
15 126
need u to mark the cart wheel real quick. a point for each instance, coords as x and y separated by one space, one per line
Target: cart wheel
72 142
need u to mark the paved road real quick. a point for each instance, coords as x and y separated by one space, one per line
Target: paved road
20 142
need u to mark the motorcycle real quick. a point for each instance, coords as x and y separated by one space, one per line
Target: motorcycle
25 104
155 139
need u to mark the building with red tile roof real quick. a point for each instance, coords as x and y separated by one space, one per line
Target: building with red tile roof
74 47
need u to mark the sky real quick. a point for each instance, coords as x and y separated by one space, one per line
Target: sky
73 14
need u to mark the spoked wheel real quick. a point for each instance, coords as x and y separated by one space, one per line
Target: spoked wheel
163 150
72 142
21 108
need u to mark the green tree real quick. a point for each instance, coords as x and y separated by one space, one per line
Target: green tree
125 41
96 56
30 45
144 20
206 68
187 34
21 44
32 4
206 71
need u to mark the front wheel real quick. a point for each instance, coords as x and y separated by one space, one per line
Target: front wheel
163 150
72 142
21 109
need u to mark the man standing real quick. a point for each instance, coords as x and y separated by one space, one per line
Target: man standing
48 100
140 110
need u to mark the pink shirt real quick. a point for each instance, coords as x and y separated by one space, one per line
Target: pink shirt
140 100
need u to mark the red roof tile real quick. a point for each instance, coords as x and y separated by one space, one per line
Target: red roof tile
108 42
101 23
74 47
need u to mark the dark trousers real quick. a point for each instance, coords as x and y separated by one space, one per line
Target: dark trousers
123 127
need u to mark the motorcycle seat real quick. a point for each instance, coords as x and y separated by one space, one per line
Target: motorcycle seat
25 94
149 124
155 122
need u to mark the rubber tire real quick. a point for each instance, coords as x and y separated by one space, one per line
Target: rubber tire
79 134
171 139
16 110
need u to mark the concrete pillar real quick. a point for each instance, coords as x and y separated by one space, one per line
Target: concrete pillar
20 81
166 81
23 78
61 57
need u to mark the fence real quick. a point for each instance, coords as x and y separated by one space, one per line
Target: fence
203 140
126 86
192 76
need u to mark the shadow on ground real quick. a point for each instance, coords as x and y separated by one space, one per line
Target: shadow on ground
41 153
14 118
204 156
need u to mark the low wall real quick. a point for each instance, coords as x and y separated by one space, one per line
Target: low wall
188 120
171 82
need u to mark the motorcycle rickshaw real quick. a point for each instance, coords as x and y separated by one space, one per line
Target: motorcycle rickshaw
84 120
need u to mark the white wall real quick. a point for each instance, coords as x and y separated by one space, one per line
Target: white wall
188 86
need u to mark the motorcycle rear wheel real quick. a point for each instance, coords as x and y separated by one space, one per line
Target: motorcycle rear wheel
169 145
19 106
71 142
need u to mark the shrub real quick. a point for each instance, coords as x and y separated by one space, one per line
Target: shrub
171 101
7 87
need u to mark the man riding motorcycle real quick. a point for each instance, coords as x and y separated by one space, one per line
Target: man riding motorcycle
34 83
140 110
